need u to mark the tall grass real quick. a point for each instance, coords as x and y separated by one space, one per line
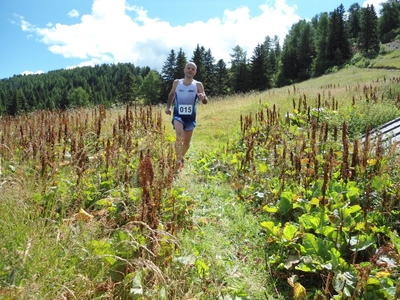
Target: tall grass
92 208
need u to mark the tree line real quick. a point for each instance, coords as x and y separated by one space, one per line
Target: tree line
310 49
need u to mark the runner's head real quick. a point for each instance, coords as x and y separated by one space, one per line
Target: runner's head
190 63
190 70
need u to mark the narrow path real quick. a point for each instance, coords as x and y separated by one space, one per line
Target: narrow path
224 236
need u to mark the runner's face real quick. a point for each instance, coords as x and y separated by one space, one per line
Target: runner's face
190 70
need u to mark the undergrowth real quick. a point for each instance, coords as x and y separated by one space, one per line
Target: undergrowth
330 202
294 206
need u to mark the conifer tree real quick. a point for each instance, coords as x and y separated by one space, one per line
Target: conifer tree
338 43
305 50
209 80
288 68
242 79
64 102
353 23
321 39
238 71
274 55
15 106
221 79
128 90
259 80
290 64
168 74
368 41
181 62
198 59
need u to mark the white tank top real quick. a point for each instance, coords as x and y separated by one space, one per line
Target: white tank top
185 100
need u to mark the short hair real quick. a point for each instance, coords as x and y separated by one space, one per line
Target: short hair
191 63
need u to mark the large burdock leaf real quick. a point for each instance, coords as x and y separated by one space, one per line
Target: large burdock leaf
311 244
362 242
271 229
346 282
285 203
289 232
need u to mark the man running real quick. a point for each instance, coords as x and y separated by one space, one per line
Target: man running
185 92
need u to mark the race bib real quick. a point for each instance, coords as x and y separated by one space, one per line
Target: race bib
185 109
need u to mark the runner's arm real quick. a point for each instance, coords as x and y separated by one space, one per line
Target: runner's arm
201 93
171 97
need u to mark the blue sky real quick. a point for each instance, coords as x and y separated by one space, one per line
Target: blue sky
38 36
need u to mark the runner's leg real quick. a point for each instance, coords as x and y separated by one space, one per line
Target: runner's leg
179 140
187 136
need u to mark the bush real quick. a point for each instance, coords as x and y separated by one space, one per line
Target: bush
365 115
360 61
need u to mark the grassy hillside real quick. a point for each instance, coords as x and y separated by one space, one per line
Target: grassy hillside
388 61
92 209
220 119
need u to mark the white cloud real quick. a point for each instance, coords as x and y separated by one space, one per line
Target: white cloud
110 35
376 3
73 13
25 25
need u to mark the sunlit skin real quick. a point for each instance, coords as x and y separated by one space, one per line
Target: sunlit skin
184 137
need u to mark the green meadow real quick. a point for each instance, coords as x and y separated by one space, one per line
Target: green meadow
279 198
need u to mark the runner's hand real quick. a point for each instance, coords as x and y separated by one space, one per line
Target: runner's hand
202 97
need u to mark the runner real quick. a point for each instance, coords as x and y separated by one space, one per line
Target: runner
185 93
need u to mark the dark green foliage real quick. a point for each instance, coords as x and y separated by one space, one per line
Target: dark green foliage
64 103
221 79
258 66
368 38
305 50
239 70
199 59
298 53
151 88
338 43
209 79
389 22
289 61
181 62
353 24
128 91
53 89
77 98
168 74
273 58
321 61
172 69
15 106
